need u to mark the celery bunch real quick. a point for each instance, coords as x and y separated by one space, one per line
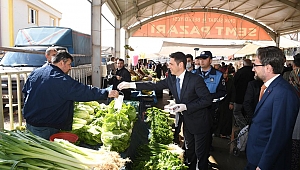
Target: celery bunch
161 130
159 156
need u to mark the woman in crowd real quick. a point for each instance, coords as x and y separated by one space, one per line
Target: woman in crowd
226 106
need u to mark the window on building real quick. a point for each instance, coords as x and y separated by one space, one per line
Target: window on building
52 21
32 16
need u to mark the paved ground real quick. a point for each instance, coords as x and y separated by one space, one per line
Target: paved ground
7 120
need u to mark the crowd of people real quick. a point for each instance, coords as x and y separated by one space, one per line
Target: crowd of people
256 95
207 99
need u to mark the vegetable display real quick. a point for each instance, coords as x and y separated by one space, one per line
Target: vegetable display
86 125
159 156
160 123
103 124
35 153
159 153
117 127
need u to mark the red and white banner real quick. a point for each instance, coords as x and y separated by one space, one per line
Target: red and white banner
204 25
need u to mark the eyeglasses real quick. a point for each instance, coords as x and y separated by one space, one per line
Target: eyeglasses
255 65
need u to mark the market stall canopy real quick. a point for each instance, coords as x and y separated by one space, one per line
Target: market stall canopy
280 16
250 48
247 50
284 43
217 50
156 48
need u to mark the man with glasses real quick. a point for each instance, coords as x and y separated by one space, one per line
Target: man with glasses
270 134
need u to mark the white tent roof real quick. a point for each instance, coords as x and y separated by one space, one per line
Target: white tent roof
283 43
217 50
162 47
251 48
247 50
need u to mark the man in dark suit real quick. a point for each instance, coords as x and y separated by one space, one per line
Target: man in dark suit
192 101
270 134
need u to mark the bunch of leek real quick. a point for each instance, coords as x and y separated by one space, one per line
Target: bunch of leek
23 150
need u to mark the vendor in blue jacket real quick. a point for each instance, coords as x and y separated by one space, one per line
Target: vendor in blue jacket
49 95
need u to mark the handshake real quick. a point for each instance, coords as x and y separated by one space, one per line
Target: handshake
126 85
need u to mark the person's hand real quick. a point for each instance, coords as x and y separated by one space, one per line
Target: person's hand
113 94
230 106
118 77
126 85
178 107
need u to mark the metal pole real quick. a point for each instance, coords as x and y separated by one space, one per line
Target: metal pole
96 42
196 49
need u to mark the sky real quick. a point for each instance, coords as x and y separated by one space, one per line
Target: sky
76 14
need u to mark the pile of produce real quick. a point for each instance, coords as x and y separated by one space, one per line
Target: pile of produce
159 156
159 153
160 124
135 75
35 153
117 127
87 121
143 74
96 123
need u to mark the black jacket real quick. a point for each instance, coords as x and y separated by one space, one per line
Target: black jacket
251 98
125 76
241 79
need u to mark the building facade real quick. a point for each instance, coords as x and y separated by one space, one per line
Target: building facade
17 14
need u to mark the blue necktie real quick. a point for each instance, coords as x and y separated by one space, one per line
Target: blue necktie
178 86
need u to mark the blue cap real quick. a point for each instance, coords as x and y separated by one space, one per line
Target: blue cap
205 55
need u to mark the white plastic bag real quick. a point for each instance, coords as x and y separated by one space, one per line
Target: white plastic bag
119 101
242 138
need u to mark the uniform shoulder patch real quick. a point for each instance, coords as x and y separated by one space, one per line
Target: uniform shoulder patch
223 82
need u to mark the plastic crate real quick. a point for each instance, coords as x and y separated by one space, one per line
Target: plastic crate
145 103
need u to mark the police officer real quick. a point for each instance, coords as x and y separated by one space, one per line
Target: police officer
215 83
214 80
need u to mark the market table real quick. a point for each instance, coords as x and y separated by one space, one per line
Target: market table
145 101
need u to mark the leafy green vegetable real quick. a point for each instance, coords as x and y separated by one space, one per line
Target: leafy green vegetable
81 113
89 134
159 156
104 124
161 131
